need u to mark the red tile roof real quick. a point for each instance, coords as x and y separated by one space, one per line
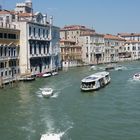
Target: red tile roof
6 12
128 34
25 14
132 41
75 27
113 37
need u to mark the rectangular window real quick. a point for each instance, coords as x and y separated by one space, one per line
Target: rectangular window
5 73
5 35
34 49
43 33
30 49
44 49
39 32
39 49
1 74
34 31
47 33
1 35
1 50
10 72
29 31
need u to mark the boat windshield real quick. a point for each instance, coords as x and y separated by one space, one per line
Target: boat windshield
91 78
47 89
88 85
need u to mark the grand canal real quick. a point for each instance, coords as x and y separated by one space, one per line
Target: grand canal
111 113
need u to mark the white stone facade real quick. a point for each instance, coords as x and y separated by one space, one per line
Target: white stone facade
133 47
39 52
9 53
39 39
92 48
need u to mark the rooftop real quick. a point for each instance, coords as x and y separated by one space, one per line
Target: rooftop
113 37
76 27
128 34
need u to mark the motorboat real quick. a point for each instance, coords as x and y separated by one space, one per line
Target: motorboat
51 137
95 81
47 92
136 76
26 79
119 68
110 67
93 67
46 74
54 73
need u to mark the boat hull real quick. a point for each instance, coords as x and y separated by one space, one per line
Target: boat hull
136 76
47 93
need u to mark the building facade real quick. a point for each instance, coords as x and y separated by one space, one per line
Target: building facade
39 39
114 48
130 36
9 53
71 54
71 37
132 49
92 47
73 32
132 45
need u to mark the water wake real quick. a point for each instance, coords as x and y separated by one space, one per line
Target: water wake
133 80
54 136
55 93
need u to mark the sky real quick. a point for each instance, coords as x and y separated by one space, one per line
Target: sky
105 16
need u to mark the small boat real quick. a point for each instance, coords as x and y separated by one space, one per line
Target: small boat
47 92
26 79
120 68
95 81
93 67
39 75
110 67
46 74
136 76
51 137
54 73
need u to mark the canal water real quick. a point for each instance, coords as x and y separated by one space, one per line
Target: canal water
111 113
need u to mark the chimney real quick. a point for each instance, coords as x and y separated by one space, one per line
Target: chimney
51 20
16 17
44 19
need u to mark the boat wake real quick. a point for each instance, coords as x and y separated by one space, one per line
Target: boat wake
55 93
133 80
54 136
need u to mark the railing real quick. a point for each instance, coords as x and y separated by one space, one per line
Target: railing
7 25
39 55
32 37
8 57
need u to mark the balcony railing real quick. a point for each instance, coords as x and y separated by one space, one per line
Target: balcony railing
8 58
7 25
32 37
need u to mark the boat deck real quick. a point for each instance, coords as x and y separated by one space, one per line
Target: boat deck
50 137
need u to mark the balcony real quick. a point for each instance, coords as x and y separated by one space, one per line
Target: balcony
32 37
7 25
3 58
